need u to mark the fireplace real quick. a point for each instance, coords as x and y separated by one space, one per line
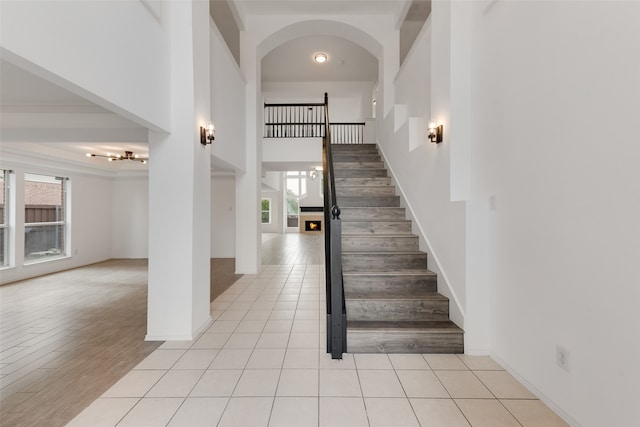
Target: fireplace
311 219
313 225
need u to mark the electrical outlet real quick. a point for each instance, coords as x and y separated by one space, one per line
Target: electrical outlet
563 357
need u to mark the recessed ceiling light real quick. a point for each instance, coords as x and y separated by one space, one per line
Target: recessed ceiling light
320 57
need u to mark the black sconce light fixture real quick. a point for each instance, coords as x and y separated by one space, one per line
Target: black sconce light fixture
435 132
208 134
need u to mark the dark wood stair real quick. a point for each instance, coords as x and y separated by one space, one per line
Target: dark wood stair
391 297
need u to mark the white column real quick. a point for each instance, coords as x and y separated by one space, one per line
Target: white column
478 287
459 70
180 187
249 182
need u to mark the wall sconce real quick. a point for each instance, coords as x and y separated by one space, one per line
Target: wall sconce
435 132
208 134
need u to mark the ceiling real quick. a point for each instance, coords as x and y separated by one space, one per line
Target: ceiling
293 61
316 7
36 111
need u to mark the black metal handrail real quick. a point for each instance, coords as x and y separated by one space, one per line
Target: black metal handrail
336 311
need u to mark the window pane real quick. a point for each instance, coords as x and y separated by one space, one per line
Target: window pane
293 186
42 241
303 186
266 211
43 199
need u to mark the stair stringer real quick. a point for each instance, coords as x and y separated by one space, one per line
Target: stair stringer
456 313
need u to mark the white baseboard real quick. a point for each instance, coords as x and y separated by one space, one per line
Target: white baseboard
540 395
185 337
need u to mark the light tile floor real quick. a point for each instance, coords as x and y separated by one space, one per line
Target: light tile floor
262 362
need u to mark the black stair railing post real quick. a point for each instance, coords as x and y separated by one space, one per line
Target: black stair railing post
336 314
338 326
327 239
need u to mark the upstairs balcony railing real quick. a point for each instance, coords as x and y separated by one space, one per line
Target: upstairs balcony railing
308 121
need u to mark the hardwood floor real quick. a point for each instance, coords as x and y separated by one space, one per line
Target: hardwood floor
223 275
65 338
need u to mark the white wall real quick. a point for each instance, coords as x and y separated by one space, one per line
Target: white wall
556 96
120 61
272 185
227 104
348 101
90 219
130 210
223 217
131 217
313 197
293 151
421 169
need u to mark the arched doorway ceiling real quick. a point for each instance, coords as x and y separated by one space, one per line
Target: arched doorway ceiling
320 28
293 61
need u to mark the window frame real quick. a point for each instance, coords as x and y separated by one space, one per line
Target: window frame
268 211
65 222
5 225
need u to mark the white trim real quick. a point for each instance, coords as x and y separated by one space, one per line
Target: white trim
43 224
540 395
44 260
191 337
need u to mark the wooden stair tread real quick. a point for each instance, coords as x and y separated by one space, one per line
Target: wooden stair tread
415 326
350 164
374 220
380 236
403 272
381 253
368 187
394 294
373 209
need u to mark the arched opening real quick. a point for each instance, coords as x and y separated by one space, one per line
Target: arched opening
289 75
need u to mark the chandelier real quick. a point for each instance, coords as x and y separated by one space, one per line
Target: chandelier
128 155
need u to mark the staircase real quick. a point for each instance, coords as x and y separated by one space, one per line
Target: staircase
391 297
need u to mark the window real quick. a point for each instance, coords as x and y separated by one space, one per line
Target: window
266 211
4 221
296 184
45 215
